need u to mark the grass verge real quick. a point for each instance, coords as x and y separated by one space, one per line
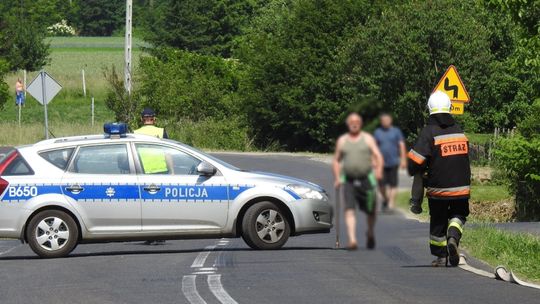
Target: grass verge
519 252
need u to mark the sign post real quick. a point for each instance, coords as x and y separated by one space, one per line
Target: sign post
44 88
83 84
92 111
452 85
19 115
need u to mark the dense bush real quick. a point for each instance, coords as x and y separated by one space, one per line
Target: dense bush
211 133
196 98
519 157
292 95
207 27
185 85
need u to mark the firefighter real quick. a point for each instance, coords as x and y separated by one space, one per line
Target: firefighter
441 155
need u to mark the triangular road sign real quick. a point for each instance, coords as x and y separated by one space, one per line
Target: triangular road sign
452 85
35 88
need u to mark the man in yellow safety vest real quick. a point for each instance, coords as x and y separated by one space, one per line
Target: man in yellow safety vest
148 117
153 162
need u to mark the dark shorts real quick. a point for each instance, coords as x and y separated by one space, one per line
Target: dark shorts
361 192
390 177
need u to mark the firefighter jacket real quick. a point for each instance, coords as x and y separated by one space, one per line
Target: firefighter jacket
443 151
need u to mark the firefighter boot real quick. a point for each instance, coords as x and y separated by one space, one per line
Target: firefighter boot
453 252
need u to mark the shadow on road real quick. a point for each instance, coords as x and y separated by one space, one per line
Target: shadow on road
157 251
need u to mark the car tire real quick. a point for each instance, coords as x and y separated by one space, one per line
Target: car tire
52 234
265 227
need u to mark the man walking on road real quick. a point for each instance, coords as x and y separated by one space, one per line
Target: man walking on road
392 146
442 150
355 159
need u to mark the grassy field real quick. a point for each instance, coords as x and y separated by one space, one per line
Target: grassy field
70 111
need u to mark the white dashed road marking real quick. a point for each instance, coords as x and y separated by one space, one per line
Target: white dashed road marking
189 288
189 285
203 255
214 282
9 250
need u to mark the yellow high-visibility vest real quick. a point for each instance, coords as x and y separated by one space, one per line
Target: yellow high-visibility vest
150 130
153 160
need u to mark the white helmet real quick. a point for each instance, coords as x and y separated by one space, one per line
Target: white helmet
439 102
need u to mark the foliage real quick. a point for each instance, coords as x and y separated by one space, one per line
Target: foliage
291 93
520 155
526 13
124 106
21 44
519 158
100 17
206 27
4 95
399 57
184 85
61 29
211 133
195 96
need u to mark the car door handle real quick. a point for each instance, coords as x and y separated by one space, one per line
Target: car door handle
75 189
152 189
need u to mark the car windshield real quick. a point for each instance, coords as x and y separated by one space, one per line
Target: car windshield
217 160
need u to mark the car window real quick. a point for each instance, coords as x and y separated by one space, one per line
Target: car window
18 166
101 159
59 158
156 159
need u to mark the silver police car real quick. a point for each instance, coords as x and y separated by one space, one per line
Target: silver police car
125 187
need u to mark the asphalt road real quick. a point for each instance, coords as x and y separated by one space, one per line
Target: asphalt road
307 270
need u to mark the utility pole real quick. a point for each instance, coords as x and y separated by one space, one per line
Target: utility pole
127 47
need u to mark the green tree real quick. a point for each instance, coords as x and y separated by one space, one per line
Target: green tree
207 27
22 44
196 97
185 85
100 17
291 95
399 56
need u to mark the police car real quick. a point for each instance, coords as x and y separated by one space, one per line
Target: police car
60 192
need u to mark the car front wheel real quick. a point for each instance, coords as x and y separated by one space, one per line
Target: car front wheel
265 226
52 234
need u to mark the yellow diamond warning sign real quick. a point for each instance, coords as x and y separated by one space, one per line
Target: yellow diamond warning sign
452 85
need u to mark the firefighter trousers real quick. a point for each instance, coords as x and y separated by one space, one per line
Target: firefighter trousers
447 218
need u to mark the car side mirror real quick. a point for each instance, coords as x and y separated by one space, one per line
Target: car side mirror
206 169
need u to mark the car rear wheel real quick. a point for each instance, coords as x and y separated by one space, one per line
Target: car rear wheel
265 226
52 234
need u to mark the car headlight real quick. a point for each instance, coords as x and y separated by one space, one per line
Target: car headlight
306 192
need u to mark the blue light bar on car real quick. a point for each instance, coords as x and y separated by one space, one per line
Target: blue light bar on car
115 129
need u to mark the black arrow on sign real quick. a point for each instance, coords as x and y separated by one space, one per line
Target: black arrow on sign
449 87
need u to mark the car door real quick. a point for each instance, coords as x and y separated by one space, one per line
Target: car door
174 196
102 185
